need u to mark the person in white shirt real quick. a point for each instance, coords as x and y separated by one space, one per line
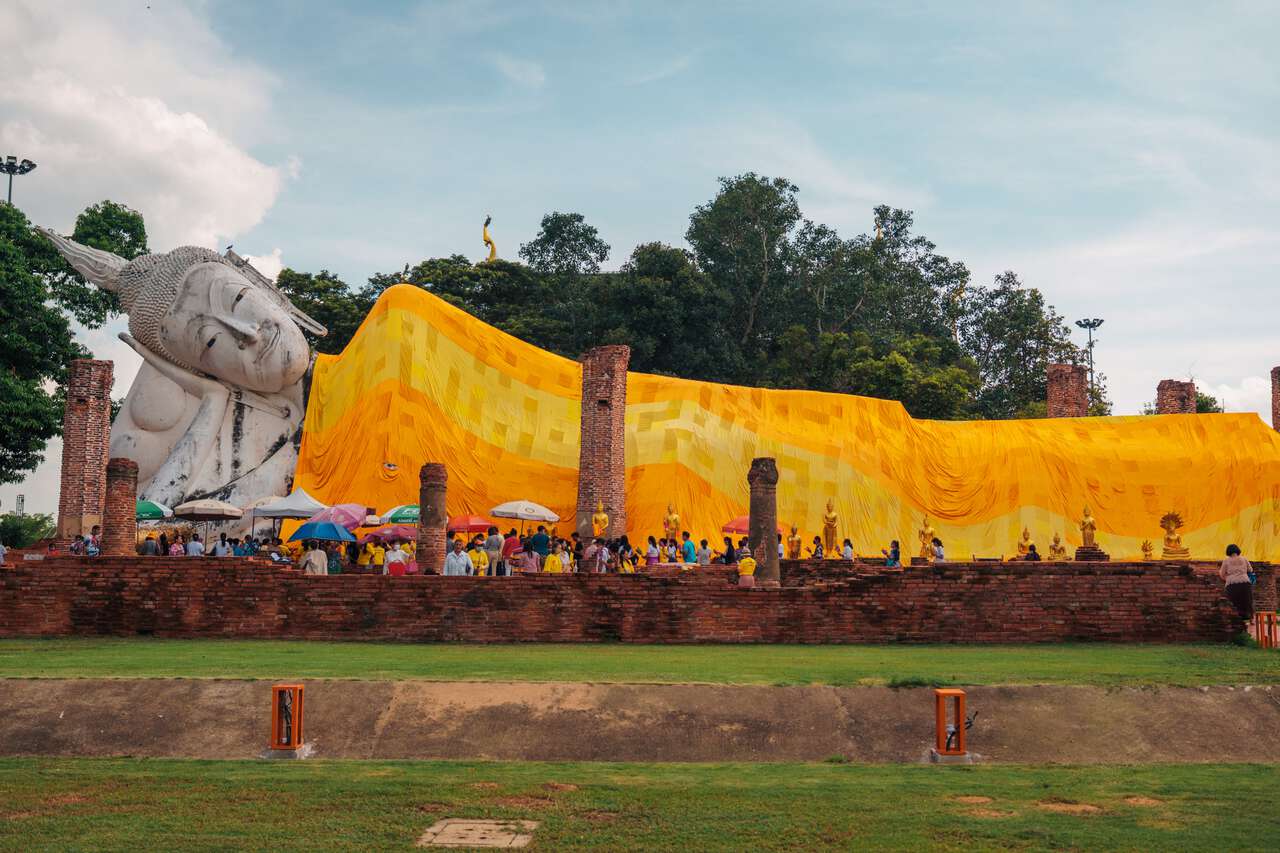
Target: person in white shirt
195 548
395 554
316 562
3 553
458 562
222 548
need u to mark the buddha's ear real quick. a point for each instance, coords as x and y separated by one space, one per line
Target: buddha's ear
101 268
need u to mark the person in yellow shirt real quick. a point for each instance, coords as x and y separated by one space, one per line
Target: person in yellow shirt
479 559
747 571
365 557
555 561
378 558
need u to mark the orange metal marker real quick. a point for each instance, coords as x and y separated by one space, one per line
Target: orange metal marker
940 697
1266 629
286 716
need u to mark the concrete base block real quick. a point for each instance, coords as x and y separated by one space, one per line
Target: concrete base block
304 751
936 757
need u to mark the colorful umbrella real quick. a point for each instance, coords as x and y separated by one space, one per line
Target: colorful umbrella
329 531
349 516
403 532
469 524
740 525
403 514
152 511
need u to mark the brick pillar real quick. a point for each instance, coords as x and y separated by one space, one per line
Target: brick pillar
1174 397
762 519
1068 390
86 431
119 514
602 457
1275 398
1264 592
433 517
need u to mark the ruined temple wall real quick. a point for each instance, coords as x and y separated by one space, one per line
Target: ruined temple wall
953 603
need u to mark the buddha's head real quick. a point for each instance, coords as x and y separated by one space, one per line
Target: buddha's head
200 311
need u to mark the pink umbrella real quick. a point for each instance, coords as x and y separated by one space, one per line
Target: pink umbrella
403 532
349 516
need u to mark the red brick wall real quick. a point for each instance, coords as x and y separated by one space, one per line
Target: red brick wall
982 603
120 514
86 431
602 460
1068 391
1275 398
1174 397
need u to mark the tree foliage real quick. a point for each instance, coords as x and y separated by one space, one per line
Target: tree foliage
329 301
565 245
23 531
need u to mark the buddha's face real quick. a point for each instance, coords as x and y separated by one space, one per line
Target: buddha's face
228 328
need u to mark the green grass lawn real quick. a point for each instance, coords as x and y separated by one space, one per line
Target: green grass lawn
129 804
1098 664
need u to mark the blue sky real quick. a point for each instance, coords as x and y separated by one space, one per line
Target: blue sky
1121 157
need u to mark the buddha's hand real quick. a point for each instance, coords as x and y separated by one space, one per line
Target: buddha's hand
193 383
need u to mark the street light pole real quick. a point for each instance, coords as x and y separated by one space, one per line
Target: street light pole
10 166
1089 324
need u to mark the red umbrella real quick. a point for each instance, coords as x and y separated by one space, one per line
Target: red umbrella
740 525
469 524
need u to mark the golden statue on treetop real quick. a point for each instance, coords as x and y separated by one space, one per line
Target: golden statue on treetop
488 241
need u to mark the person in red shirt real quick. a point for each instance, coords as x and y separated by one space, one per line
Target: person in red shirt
510 546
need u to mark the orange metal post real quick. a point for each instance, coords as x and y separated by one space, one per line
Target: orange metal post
940 697
286 716
1266 629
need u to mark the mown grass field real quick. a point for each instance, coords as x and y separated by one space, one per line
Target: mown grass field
1095 664
126 804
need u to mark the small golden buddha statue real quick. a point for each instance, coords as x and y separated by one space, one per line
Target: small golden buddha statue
794 544
1024 544
829 522
927 534
671 524
599 521
1148 550
1173 548
1056 549
1088 531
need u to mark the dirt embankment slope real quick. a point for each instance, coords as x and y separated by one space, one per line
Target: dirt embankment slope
636 722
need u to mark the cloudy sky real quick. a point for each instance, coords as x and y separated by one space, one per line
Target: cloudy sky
1124 158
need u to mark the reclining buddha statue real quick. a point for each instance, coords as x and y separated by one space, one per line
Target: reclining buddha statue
216 409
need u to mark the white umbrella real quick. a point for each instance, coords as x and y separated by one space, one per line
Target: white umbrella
207 510
524 510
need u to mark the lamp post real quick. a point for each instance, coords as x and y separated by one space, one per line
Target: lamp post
10 166
1089 324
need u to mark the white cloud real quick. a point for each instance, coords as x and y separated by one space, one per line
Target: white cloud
112 104
269 265
1250 394
523 72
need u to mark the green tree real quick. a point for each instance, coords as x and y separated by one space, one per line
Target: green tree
329 301
741 239
1207 404
23 531
1013 336
106 225
566 245
35 346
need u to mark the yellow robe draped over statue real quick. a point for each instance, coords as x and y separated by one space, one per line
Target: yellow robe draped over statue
424 381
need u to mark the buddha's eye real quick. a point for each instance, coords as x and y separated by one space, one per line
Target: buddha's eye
209 345
236 301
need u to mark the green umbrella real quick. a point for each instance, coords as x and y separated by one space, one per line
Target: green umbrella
403 514
152 511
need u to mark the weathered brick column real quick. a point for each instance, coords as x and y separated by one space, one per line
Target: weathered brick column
762 519
602 454
1174 397
1275 398
1068 391
433 517
1264 591
119 514
86 433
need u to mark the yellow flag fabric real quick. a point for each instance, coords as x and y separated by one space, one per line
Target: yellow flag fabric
424 381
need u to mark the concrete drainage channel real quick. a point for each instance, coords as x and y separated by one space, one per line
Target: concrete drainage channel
524 721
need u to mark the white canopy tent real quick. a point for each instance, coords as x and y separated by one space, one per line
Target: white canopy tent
298 504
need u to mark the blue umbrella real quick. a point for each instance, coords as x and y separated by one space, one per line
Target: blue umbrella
326 530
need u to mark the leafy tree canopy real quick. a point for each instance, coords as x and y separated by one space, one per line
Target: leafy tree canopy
23 531
565 245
